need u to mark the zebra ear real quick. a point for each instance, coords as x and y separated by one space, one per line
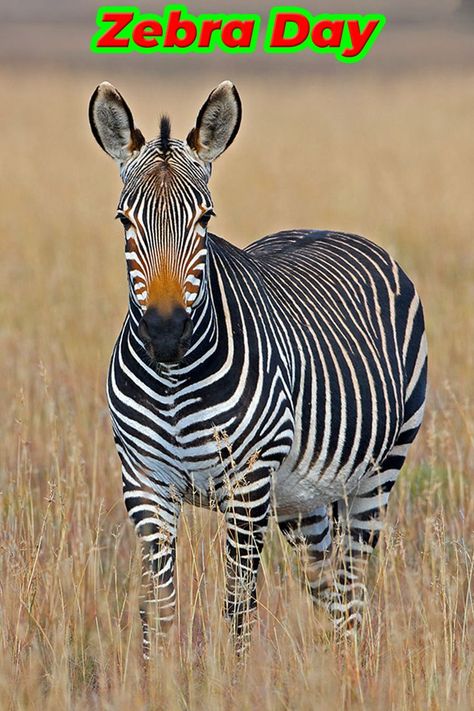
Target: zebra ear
112 124
217 123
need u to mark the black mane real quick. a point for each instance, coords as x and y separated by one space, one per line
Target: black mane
165 131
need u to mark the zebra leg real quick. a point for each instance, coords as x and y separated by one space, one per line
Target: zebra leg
356 532
358 521
336 549
247 508
156 519
359 516
312 535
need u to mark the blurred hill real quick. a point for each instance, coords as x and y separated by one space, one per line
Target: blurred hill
73 11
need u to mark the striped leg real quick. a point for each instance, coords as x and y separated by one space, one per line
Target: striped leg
336 573
359 515
156 519
246 509
312 534
357 526
358 519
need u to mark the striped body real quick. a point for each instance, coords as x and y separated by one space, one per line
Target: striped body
307 345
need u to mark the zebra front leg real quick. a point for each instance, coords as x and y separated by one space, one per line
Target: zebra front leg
156 519
246 509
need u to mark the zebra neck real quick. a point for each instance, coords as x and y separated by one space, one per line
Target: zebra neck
205 339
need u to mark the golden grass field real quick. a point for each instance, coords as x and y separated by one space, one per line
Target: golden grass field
389 157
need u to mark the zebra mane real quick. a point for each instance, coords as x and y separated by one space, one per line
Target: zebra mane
165 131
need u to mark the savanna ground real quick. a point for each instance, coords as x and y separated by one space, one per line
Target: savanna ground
388 157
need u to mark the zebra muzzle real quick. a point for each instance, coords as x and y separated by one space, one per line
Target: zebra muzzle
166 338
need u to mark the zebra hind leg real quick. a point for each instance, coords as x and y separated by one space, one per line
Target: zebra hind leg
312 534
337 546
358 520
359 515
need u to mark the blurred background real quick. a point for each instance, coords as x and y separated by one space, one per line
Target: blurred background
385 148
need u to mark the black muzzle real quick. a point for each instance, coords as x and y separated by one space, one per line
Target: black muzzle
166 338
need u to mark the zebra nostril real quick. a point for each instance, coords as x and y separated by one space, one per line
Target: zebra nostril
143 331
188 330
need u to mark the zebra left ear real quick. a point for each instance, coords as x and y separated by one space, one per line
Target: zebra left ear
217 123
112 124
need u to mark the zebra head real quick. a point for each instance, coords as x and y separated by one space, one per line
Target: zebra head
165 207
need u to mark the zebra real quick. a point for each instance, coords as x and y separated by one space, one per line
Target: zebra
284 379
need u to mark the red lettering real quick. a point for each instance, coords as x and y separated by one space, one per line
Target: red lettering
121 20
208 29
175 24
278 38
146 32
244 29
320 33
359 39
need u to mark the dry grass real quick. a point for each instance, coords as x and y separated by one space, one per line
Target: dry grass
392 159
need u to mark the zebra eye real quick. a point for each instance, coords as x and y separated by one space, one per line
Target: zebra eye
124 220
204 219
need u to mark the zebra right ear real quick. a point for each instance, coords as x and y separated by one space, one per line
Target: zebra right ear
217 123
112 124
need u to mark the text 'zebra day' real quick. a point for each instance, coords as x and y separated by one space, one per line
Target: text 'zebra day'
124 30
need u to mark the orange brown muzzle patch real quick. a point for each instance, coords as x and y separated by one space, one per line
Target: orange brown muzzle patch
165 292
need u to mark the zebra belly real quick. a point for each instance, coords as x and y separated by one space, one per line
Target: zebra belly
300 492
311 476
